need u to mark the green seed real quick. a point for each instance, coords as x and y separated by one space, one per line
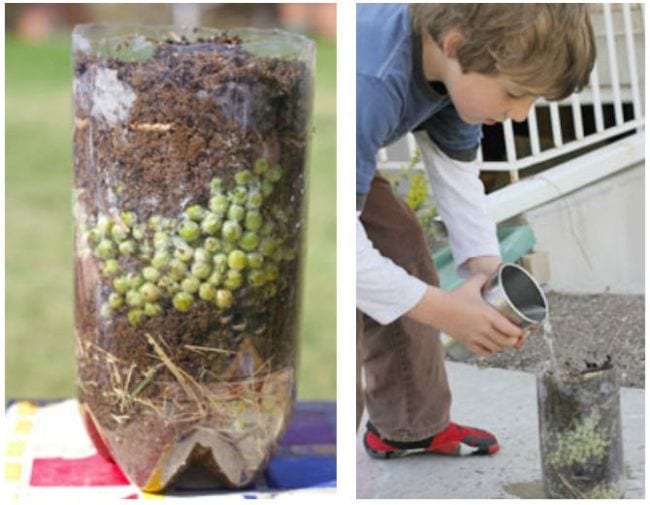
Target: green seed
177 269
268 229
128 218
106 249
183 251
237 260
119 232
215 185
134 299
183 301
168 285
267 188
212 244
239 195
104 225
115 300
255 200
202 256
233 279
274 173
253 220
255 260
201 270
229 247
190 285
236 212
138 231
249 241
207 292
215 279
121 284
211 223
243 177
110 268
135 280
150 274
231 231
135 317
267 246
146 251
195 212
150 292
271 272
160 260
223 298
256 278
155 222
220 263
161 240
189 230
93 237
152 309
261 166
127 248
270 290
219 204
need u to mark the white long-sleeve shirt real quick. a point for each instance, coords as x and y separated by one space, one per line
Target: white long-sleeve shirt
385 291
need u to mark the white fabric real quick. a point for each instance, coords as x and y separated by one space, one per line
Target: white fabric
385 291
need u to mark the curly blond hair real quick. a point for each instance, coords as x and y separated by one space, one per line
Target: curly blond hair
546 49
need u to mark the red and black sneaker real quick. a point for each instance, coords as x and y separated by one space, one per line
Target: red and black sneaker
455 440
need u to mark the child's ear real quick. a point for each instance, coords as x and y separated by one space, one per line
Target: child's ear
450 42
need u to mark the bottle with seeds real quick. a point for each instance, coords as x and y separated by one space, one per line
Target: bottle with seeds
189 158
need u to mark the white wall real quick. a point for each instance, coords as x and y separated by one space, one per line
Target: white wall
595 236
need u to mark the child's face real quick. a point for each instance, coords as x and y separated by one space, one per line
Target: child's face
486 99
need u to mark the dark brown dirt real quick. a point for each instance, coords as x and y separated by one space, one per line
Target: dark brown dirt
201 110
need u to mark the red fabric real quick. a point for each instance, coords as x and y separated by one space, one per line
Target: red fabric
92 471
447 441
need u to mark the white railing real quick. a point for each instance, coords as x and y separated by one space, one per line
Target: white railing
617 79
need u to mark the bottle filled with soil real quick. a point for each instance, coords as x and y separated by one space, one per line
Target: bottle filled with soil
580 433
189 158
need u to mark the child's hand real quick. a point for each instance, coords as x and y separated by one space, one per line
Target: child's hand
465 316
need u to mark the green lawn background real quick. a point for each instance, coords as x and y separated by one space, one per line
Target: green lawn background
38 254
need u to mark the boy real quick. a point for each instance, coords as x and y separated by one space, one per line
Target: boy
442 69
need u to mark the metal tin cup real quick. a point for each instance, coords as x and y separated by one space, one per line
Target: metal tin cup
515 293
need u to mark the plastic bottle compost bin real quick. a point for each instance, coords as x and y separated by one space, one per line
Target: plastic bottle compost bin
189 158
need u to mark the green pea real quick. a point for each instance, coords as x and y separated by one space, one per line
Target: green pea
190 284
268 229
223 298
266 188
168 224
93 236
202 256
201 270
106 249
128 218
249 241
189 230
151 274
183 301
150 292
134 299
236 212
231 231
256 278
220 262
135 317
152 309
267 246
215 279
212 244
121 284
239 195
274 174
211 223
177 269
271 272
254 260
160 260
135 280
270 290
168 285
115 300
105 310
184 253
110 268
219 204
237 260
127 248
161 240
119 232
207 292
215 185
243 177
233 279
261 166
229 247
138 231
154 222
255 200
195 212
253 220
104 225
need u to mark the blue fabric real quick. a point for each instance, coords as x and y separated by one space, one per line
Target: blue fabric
393 96
294 472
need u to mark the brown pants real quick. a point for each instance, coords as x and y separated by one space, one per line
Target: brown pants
406 393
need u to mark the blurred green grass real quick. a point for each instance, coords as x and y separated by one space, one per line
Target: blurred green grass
38 254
